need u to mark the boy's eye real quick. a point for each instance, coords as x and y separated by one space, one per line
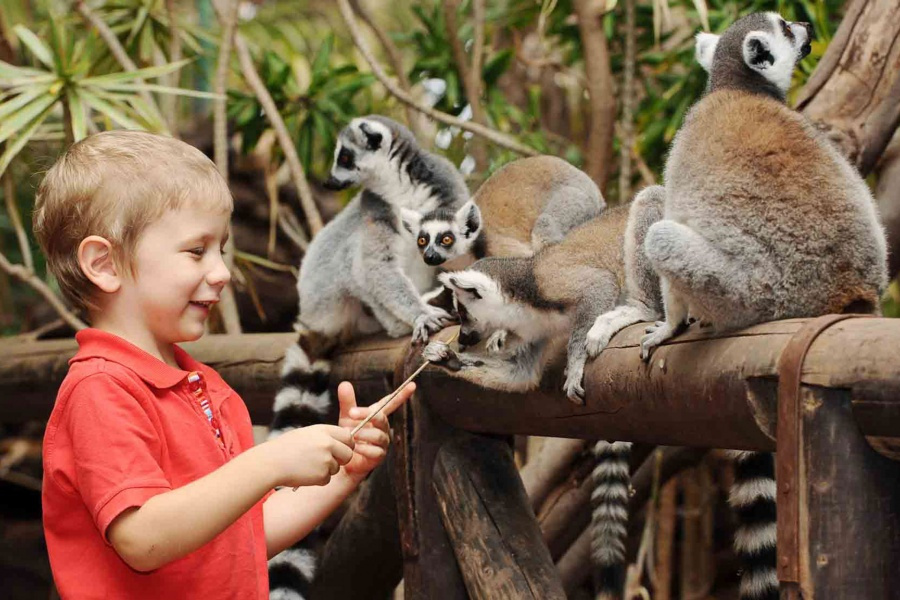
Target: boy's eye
446 240
196 251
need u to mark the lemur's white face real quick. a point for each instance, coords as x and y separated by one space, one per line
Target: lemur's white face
441 238
481 304
772 47
361 150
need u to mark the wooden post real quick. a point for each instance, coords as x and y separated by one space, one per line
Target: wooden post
489 520
850 505
429 564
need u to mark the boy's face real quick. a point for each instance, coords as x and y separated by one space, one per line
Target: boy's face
179 274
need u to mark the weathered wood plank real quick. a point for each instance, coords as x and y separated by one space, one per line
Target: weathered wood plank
489 519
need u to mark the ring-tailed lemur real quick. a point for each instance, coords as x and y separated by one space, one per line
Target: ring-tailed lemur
360 275
563 288
526 205
764 220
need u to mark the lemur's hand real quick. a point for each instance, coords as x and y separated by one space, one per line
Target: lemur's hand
656 335
432 320
442 355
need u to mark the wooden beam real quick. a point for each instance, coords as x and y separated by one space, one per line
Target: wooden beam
698 390
488 517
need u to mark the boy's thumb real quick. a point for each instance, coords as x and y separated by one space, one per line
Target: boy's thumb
346 397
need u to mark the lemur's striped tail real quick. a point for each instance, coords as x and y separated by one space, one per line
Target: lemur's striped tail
303 400
609 517
753 500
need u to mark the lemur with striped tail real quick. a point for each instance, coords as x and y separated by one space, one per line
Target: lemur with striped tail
764 220
561 291
361 274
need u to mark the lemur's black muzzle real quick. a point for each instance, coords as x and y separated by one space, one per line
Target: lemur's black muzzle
432 258
335 184
468 338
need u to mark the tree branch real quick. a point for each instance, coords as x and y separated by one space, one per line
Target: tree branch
413 118
118 52
307 203
599 87
627 138
27 276
12 209
496 137
170 101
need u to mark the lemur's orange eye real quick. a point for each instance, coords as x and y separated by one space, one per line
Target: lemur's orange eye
446 240
422 241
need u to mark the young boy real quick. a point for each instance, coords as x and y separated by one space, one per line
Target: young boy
152 486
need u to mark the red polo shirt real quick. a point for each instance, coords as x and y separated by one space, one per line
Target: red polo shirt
125 427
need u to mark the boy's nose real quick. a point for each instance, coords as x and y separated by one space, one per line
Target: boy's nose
219 275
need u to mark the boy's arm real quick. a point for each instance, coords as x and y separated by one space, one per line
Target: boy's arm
173 524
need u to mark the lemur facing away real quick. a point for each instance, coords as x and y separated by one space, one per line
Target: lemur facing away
360 275
764 220
562 289
523 207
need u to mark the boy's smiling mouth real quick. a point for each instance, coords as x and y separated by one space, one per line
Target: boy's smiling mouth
204 304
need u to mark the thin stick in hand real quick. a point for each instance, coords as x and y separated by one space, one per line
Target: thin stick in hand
382 403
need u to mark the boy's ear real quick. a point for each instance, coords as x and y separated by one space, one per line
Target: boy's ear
96 262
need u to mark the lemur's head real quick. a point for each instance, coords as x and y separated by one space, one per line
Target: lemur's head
480 303
757 53
362 150
443 234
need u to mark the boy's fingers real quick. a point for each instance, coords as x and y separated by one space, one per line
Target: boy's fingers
342 435
346 397
342 453
369 451
371 435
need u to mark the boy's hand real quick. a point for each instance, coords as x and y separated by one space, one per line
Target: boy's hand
309 455
372 441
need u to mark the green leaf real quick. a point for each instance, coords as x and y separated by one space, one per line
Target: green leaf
8 72
35 45
496 66
76 113
320 64
23 117
162 89
10 106
15 147
147 73
110 111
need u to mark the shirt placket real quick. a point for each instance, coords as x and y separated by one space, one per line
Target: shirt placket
199 394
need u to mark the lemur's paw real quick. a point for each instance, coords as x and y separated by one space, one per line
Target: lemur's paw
432 320
598 337
656 335
442 355
496 342
573 386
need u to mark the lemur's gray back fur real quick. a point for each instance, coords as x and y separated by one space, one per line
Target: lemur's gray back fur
359 276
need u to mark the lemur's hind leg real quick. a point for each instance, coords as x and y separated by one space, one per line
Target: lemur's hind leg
568 207
518 371
597 299
644 302
695 275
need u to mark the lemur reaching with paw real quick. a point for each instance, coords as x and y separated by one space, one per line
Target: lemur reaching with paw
764 220
562 289
361 274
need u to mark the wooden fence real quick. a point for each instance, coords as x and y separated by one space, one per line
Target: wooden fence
464 524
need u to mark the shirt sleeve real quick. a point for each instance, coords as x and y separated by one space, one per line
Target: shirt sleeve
116 448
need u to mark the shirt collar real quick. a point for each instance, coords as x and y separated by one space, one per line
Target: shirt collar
94 343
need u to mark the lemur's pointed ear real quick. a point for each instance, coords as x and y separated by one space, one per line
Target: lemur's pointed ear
461 284
373 138
468 219
410 220
706 48
758 51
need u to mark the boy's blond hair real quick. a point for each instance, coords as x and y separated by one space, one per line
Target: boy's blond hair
113 184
